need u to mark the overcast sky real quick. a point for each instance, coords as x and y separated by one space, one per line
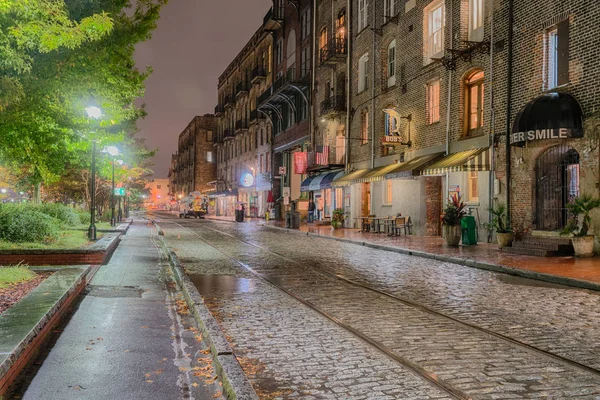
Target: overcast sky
194 42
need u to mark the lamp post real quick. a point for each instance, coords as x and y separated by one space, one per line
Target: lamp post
113 151
94 113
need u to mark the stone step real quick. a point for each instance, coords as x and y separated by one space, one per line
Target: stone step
531 252
542 246
541 239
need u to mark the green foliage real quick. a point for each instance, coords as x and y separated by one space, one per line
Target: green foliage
337 219
84 217
498 223
454 211
20 224
13 275
580 209
67 215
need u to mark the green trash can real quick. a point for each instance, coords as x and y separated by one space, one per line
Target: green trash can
469 230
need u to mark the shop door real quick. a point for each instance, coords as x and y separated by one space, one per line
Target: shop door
557 183
366 200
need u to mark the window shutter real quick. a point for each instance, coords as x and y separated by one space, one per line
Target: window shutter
563 52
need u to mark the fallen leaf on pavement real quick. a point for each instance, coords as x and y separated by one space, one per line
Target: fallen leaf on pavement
217 394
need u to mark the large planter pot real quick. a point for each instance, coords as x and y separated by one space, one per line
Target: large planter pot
337 224
452 234
505 239
583 246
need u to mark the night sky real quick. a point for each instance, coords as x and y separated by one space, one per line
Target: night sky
194 42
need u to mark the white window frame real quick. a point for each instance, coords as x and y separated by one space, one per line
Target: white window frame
389 9
363 14
551 58
476 20
433 102
391 63
363 72
434 39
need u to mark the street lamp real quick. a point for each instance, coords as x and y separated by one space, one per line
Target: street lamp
113 151
94 113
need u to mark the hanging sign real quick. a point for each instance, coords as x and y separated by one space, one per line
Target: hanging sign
282 170
247 180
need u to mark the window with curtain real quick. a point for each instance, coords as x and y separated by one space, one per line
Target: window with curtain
388 9
434 19
363 72
433 102
475 20
473 186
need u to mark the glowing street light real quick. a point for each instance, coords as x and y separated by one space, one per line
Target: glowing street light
94 113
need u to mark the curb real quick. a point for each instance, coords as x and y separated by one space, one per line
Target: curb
540 276
235 382
28 345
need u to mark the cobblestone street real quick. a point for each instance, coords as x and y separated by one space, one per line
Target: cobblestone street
315 318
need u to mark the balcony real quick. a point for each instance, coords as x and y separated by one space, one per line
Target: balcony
258 74
264 96
241 126
241 89
334 51
228 134
333 105
327 158
274 18
229 101
256 116
219 109
288 84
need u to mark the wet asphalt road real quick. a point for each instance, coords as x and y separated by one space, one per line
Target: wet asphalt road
446 330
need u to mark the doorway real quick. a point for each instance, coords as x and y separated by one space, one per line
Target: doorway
557 184
365 205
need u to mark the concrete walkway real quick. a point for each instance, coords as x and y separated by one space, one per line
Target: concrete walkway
129 337
584 270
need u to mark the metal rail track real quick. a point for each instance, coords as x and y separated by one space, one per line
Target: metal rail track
423 308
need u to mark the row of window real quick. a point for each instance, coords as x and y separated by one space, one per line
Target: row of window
262 162
247 143
473 106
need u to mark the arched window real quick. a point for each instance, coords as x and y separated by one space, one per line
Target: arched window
340 24
474 88
323 38
391 63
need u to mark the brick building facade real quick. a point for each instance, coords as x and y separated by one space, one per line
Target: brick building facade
243 145
194 167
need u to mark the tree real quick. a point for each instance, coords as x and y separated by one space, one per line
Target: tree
45 129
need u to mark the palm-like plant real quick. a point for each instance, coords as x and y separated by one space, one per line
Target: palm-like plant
498 219
454 211
580 210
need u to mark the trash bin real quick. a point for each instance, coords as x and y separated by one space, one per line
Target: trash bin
295 220
239 215
288 219
469 230
276 211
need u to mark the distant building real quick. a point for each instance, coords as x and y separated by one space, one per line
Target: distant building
159 193
194 166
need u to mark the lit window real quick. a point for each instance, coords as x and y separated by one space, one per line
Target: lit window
392 64
339 198
474 102
363 73
323 39
363 12
475 20
388 192
473 186
158 187
435 20
433 102
556 63
209 156
364 127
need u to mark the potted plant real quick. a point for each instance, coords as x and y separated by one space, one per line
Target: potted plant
504 234
580 209
453 213
337 219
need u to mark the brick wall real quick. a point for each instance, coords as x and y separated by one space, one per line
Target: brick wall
433 204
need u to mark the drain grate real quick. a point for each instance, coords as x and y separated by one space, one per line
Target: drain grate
114 291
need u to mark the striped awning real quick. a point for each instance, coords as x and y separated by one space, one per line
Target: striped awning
349 178
304 187
463 161
315 184
329 178
376 174
412 167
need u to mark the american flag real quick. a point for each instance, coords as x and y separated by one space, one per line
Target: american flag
322 155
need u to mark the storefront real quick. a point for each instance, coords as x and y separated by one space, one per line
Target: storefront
551 162
225 202
320 190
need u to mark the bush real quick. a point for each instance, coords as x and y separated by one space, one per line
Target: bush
25 224
84 217
67 215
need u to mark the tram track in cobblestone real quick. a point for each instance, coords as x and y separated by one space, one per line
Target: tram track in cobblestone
432 378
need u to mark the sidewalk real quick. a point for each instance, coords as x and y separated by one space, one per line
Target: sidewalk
581 272
126 339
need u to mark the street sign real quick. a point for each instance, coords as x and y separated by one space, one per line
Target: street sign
119 191
282 170
286 200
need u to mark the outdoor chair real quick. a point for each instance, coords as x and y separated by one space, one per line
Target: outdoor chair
401 223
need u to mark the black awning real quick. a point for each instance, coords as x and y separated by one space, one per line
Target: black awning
550 116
